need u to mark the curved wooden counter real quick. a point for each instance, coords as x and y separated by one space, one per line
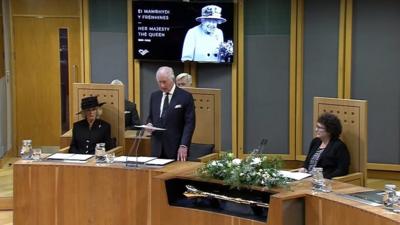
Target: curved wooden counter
48 193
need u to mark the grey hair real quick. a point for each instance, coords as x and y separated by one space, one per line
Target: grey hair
166 70
117 82
186 76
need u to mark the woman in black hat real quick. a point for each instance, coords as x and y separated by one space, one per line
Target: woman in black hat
91 130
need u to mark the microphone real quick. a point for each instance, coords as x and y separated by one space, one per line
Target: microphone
262 145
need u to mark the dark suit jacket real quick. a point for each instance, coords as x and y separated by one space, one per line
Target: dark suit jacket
131 116
84 139
179 121
334 160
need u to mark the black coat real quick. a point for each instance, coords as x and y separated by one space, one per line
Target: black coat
335 159
179 123
84 139
131 116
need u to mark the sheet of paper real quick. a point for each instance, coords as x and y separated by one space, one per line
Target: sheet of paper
60 156
294 175
149 127
80 157
74 161
140 159
70 156
159 162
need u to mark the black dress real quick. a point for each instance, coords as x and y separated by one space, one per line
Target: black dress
84 139
334 160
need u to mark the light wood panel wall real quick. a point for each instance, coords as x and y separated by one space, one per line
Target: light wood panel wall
57 8
208 116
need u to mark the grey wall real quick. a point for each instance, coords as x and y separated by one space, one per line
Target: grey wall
375 74
3 116
219 76
108 41
321 42
266 77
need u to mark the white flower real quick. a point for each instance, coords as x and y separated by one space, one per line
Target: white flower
255 161
213 163
236 162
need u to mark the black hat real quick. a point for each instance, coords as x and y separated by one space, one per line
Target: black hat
90 102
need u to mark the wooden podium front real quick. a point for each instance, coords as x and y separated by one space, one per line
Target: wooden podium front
49 193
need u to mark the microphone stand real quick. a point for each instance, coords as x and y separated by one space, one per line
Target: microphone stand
263 143
135 146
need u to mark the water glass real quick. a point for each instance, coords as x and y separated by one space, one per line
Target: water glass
110 157
318 181
327 186
36 154
100 152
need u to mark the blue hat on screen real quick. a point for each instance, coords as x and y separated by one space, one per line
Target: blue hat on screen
211 12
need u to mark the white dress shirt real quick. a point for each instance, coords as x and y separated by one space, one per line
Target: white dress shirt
171 92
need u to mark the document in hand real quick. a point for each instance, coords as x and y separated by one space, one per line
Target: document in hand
147 127
294 175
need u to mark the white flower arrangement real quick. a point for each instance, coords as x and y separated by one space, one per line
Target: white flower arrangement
255 169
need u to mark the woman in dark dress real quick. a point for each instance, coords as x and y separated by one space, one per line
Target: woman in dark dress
91 130
327 150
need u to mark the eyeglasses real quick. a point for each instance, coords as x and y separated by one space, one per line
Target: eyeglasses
320 128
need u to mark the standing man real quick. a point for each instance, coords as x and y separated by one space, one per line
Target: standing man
171 108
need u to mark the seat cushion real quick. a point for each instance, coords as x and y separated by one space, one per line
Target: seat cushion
198 150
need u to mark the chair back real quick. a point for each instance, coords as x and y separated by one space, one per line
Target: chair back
207 103
113 110
353 116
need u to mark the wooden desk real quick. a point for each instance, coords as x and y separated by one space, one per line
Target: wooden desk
48 193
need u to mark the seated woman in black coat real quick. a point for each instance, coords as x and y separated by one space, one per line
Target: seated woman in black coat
91 130
327 150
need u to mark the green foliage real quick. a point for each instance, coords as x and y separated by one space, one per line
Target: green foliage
255 169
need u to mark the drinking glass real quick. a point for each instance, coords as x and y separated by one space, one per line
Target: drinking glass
100 152
36 154
110 157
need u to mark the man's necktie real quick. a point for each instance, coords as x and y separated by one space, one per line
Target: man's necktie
165 105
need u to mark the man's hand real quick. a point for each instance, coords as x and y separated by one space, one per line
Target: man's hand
182 153
149 131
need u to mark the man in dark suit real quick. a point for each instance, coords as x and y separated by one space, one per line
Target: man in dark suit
131 114
171 108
